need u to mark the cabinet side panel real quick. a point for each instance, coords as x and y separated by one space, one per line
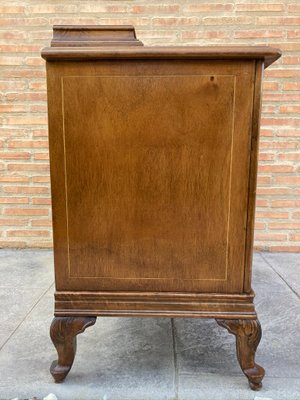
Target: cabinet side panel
149 172
57 170
259 68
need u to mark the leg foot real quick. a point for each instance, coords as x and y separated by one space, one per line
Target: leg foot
63 333
248 335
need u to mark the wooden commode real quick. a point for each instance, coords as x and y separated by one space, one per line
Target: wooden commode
153 154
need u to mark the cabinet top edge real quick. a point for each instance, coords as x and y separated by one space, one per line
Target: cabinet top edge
265 53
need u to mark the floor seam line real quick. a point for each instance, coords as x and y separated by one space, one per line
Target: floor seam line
29 312
280 276
176 380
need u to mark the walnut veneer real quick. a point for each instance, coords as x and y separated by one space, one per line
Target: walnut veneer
153 154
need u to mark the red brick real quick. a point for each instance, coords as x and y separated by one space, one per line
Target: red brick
24 73
34 61
270 86
271 214
24 96
263 179
275 168
14 48
291 60
266 156
14 200
26 211
288 249
278 145
101 7
208 7
205 35
11 60
259 226
41 156
293 34
289 180
40 133
20 155
291 86
175 21
282 73
137 22
234 20
21 22
8 85
266 132
45 245
34 144
29 232
290 109
284 225
258 33
12 244
51 8
11 108
261 203
288 133
155 9
41 222
289 156
26 189
32 120
14 132
40 108
41 200
40 85
267 237
8 35
13 222
14 178
281 97
253 7
272 191
295 237
41 179
28 167
285 203
278 21
294 7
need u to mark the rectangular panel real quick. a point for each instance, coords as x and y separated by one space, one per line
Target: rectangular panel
149 174
148 163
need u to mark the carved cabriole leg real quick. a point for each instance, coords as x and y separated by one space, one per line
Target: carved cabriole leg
63 333
248 335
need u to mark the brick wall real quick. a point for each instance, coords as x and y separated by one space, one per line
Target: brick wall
25 28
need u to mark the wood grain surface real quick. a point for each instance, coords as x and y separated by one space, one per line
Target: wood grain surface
155 173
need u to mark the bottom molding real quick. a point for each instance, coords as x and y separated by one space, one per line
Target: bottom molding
154 304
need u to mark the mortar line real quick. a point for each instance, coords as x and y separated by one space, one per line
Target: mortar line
280 276
176 377
29 312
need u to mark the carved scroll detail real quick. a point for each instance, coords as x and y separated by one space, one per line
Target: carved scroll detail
248 335
63 332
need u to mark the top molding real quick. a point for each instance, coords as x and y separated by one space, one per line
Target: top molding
94 35
96 42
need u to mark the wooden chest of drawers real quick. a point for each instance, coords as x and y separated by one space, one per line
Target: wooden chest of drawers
153 154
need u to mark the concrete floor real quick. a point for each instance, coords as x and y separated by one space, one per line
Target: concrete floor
146 358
